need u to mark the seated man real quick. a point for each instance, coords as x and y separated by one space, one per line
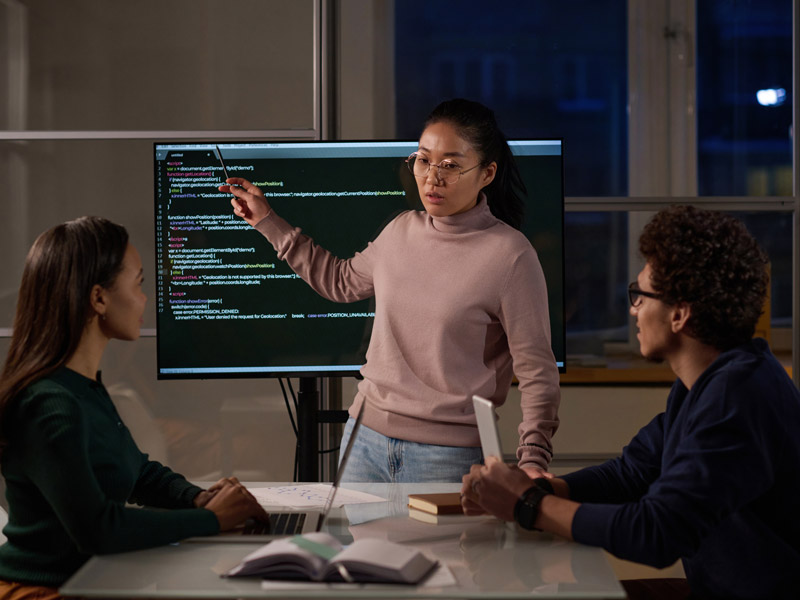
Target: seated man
715 479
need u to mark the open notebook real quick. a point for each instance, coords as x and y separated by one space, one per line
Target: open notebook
290 522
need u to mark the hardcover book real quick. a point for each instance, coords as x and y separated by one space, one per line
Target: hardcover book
441 520
446 503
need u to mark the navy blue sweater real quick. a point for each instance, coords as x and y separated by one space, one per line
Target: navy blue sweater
714 481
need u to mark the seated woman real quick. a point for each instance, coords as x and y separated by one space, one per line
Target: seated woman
69 463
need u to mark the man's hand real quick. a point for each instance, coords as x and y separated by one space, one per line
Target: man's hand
493 488
536 472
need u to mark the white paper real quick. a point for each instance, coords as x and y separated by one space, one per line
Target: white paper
309 495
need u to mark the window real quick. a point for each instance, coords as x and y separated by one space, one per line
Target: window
545 73
744 98
658 102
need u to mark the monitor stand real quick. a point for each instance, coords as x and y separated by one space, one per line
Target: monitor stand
309 417
308 430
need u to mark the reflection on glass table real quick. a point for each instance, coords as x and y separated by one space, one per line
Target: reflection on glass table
486 557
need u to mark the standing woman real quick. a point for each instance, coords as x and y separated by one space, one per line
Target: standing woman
69 462
461 306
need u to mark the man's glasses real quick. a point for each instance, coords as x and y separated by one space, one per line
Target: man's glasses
447 170
635 294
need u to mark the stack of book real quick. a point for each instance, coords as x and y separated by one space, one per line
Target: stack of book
430 507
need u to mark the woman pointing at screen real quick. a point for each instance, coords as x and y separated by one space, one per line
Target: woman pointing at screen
461 306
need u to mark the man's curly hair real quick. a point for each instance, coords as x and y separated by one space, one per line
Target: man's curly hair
709 260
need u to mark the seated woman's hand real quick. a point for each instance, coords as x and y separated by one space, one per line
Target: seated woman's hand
205 496
248 200
233 505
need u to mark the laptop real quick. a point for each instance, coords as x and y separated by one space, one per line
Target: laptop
487 427
284 523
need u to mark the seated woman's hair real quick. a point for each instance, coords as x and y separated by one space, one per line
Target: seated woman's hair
53 305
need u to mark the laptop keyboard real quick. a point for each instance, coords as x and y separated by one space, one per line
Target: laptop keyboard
279 524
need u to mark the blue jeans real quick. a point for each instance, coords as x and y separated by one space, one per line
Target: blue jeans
377 458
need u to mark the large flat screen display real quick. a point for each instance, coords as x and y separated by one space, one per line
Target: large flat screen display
227 307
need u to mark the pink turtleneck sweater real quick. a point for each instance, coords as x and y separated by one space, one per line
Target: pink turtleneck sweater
460 307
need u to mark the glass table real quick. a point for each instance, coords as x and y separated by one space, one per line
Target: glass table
485 558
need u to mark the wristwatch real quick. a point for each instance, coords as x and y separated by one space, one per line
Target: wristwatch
527 507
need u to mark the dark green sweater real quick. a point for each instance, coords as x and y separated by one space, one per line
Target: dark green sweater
70 467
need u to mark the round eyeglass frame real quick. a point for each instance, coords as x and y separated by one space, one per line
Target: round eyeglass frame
449 178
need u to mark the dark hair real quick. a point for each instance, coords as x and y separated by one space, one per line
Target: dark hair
53 305
709 260
476 124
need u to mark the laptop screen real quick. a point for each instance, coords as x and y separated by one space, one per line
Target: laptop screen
342 464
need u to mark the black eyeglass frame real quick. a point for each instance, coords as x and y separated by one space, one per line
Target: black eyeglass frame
634 291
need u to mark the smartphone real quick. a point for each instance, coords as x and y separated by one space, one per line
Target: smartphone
487 427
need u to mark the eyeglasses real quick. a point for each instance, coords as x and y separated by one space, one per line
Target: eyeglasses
635 294
448 171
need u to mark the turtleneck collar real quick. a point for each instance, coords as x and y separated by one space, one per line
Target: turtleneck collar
475 219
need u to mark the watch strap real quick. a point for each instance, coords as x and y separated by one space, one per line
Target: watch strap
527 507
545 484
